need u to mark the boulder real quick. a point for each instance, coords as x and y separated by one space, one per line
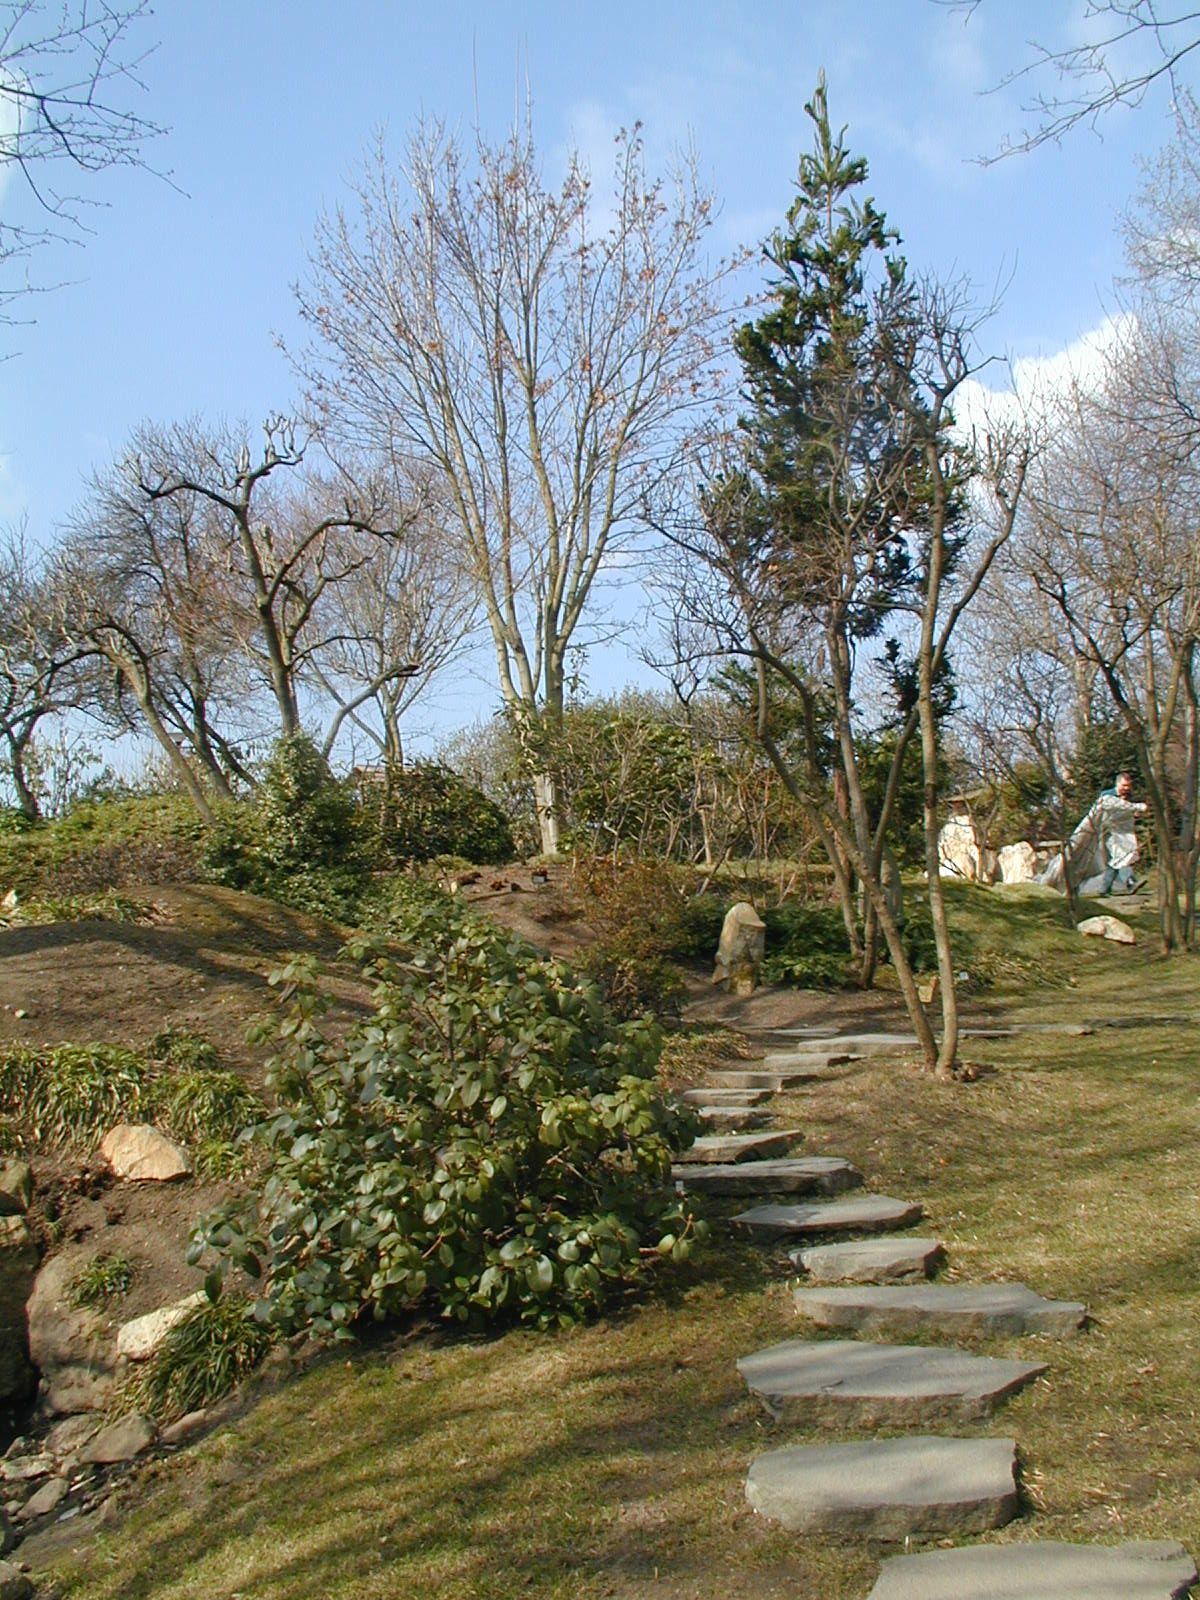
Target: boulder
47 1499
139 1339
18 1264
1018 863
71 1346
962 852
1107 927
14 1585
120 1441
740 952
16 1187
139 1153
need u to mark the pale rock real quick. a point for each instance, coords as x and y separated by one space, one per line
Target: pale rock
962 851
139 1153
120 1441
187 1426
1107 927
47 1499
1018 863
19 1469
740 952
139 1339
70 1346
16 1187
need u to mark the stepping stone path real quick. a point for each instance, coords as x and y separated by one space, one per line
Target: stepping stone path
871 1260
947 1307
732 1117
725 1097
1155 1570
950 1486
722 1147
792 1175
896 1488
857 1384
863 1213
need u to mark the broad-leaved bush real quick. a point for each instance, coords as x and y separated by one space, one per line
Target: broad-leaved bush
490 1142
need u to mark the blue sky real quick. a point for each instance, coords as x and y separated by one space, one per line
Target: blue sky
175 305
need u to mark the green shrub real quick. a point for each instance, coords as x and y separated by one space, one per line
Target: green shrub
307 815
213 1348
426 810
104 844
105 1277
638 912
108 906
490 1142
806 945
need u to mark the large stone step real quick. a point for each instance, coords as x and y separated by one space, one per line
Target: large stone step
800 1060
774 1082
888 1488
939 1307
1044 1570
863 1213
725 1119
848 1382
902 1260
792 1175
724 1147
725 1097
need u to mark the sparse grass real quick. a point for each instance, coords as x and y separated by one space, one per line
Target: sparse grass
609 1461
688 1053
104 1278
200 1360
69 1096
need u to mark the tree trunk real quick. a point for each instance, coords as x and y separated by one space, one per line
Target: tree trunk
545 799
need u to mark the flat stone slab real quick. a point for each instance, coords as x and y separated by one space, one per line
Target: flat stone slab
840 1381
888 1488
773 1082
725 1097
721 1147
724 1118
862 1213
1042 1570
871 1260
941 1307
805 1060
849 1043
791 1175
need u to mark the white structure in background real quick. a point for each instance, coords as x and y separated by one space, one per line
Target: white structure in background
1018 863
962 848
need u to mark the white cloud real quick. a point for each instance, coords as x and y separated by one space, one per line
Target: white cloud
1035 382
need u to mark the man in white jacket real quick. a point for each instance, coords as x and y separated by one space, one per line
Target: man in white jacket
1118 810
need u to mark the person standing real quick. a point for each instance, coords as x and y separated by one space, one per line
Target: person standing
1118 811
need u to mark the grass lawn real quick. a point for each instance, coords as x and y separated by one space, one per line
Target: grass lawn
609 1461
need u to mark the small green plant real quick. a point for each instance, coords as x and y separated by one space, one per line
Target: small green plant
73 1094
201 1105
43 909
70 1096
213 1348
182 1048
105 1277
220 1160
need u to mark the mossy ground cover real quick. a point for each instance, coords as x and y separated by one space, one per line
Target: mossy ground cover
609 1460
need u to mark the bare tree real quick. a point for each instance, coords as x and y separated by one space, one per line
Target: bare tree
66 67
539 348
40 674
283 544
1111 542
1129 47
390 625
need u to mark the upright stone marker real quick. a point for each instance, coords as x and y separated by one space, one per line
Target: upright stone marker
740 952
